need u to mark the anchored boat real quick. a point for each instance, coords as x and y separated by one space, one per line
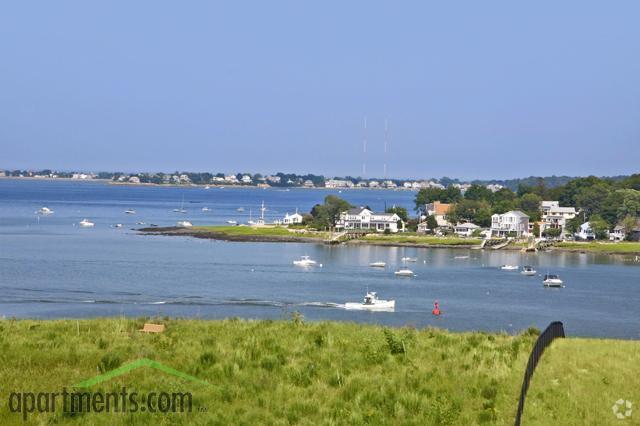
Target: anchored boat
528 271
552 280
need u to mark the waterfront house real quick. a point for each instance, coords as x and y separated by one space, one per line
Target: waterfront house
365 219
465 229
292 219
246 179
439 211
585 232
619 233
554 216
513 223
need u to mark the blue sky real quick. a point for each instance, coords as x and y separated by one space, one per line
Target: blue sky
491 89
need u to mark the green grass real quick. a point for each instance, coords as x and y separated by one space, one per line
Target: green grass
291 372
414 238
603 247
270 231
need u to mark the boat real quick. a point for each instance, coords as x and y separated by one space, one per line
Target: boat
206 209
461 257
371 302
130 211
528 271
85 223
240 209
409 259
45 211
140 223
117 225
181 209
305 261
207 187
404 272
153 225
232 222
378 264
184 224
509 267
552 280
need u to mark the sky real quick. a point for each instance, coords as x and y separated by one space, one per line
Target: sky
473 90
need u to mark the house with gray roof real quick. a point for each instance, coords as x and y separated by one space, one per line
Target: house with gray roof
361 218
512 223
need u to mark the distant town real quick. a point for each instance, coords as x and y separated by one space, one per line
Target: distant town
288 180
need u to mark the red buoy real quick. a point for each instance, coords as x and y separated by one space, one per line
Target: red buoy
436 308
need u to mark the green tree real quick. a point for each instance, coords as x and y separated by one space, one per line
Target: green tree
327 214
478 192
530 204
551 232
591 198
599 226
432 223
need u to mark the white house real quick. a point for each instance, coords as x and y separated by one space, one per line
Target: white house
246 179
292 219
585 232
554 216
362 218
134 179
465 229
510 223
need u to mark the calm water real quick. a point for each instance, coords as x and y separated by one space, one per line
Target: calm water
49 267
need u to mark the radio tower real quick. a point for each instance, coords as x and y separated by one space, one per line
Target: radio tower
386 134
364 149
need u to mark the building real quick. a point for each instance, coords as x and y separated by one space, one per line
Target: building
465 229
554 216
134 179
308 184
513 223
338 183
292 219
246 179
365 219
439 211
585 232
494 187
619 233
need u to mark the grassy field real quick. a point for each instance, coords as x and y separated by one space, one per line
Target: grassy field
291 372
414 238
623 247
277 231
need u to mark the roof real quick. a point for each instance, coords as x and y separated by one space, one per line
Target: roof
517 213
440 208
467 225
356 210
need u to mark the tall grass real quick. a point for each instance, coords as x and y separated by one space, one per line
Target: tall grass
294 372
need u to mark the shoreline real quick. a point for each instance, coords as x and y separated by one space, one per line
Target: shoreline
221 235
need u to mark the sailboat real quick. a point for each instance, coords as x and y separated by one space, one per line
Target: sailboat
181 209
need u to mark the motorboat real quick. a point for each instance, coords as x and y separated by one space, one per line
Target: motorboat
45 211
371 302
404 272
240 209
409 259
304 261
140 223
378 264
117 225
180 211
552 280
207 187
509 267
130 211
206 209
461 257
184 224
85 223
528 271
232 222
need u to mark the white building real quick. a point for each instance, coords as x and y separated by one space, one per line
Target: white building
439 211
510 223
246 179
554 216
292 219
585 232
134 179
273 179
338 183
494 187
374 184
465 229
308 184
362 218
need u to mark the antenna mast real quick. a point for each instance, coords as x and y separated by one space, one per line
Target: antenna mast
386 134
364 149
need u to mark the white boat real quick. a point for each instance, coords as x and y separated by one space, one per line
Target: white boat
378 264
207 187
409 259
130 211
140 223
240 209
45 211
552 280
528 271
184 224
509 267
371 302
181 209
206 209
85 223
404 272
117 225
461 257
232 222
305 261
